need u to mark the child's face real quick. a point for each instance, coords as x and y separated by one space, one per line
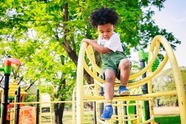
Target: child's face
106 30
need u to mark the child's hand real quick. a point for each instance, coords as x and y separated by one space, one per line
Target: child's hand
86 41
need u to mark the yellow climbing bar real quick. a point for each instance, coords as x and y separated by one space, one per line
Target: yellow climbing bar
87 62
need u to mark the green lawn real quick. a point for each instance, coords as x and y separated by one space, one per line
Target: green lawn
161 119
168 119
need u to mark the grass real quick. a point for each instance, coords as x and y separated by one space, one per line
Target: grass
169 116
164 119
173 119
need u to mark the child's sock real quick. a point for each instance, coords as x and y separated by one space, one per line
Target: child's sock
108 102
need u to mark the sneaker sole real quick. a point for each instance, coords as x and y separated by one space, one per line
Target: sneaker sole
105 118
124 93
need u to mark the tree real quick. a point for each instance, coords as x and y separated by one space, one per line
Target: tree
35 30
164 81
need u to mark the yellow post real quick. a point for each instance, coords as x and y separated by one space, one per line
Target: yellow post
73 107
177 77
79 86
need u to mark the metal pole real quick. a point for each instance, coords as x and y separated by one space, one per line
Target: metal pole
95 120
5 99
125 113
116 111
18 96
7 71
101 93
145 87
37 106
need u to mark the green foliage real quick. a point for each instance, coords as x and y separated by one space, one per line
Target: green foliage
156 62
45 35
164 81
135 26
30 98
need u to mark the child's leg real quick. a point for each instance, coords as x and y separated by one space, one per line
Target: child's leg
124 67
109 93
109 85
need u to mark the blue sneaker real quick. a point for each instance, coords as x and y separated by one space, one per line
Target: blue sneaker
107 113
123 91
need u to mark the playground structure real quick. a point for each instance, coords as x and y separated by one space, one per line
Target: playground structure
13 108
138 101
21 112
134 109
12 94
13 87
7 71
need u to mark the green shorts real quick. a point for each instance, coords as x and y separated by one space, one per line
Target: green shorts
111 61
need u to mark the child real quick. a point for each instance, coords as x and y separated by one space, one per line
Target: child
114 62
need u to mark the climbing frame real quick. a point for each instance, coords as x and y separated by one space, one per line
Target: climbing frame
87 62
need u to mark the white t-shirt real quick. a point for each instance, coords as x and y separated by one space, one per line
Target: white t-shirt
114 43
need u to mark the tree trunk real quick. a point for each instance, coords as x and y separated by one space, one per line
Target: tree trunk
58 111
71 51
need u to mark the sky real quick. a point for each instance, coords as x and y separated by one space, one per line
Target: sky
173 18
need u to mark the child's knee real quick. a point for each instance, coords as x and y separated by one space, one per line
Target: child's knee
109 78
125 63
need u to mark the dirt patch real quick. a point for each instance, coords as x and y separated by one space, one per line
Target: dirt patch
166 111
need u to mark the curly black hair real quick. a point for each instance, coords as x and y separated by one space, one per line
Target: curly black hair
103 16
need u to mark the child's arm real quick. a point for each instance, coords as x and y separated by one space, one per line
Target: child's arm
96 46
